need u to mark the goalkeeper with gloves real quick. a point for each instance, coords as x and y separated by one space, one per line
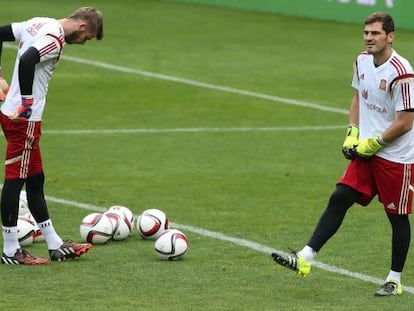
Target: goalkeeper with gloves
380 146
40 42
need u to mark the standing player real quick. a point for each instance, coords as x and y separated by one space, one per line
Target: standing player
380 145
41 41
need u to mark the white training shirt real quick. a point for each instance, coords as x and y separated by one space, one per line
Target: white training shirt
47 36
383 91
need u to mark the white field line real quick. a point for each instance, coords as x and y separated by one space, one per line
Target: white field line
204 85
241 242
193 130
215 87
216 235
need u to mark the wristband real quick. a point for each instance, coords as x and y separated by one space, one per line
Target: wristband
381 141
27 100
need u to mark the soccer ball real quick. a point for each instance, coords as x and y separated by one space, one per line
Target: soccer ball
130 219
23 206
96 228
171 245
24 211
38 236
25 230
121 226
151 223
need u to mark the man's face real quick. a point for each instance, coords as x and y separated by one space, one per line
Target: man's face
375 38
78 37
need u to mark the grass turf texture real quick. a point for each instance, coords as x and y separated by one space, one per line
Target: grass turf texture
265 186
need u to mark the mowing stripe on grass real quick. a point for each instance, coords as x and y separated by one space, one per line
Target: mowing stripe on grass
215 87
221 88
241 242
195 130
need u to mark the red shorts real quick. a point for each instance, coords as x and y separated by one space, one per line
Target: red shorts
23 158
391 181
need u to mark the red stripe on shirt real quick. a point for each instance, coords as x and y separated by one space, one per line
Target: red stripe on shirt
405 89
46 49
58 39
398 66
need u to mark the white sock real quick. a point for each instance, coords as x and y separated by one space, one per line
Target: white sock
10 241
52 239
307 253
394 276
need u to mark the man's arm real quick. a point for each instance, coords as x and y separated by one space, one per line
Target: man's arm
352 133
401 125
354 109
27 66
6 34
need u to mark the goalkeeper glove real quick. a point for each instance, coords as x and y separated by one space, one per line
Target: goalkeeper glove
351 140
368 147
25 110
4 88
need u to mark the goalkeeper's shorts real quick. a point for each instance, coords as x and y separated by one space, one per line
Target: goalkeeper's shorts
23 157
392 182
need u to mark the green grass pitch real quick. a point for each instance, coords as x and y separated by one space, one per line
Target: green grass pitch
232 123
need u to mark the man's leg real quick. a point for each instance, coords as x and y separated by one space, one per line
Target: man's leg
340 201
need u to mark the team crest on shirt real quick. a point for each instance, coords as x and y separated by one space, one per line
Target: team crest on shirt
383 85
361 77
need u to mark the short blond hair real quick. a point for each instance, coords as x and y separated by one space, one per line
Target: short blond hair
92 17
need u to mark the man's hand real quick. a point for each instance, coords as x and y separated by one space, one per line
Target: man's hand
351 141
368 147
4 88
25 110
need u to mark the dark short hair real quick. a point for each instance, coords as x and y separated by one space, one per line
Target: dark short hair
384 18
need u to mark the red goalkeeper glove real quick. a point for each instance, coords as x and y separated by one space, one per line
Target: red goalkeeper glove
25 110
